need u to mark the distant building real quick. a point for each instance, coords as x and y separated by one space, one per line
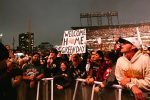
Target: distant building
26 41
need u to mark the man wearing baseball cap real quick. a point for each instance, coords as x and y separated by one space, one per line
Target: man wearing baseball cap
133 40
133 68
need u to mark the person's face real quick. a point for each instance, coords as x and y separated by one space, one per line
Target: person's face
126 47
92 58
107 61
117 46
63 67
49 60
75 59
96 57
59 54
21 62
7 47
35 57
53 55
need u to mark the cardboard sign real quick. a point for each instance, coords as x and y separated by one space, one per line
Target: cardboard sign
74 41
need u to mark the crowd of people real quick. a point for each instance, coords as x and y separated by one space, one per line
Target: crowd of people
129 30
109 34
126 65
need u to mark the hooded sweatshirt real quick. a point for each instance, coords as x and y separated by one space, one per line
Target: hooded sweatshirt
137 69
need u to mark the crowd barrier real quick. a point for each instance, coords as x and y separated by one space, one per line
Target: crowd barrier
75 89
83 80
46 90
46 81
96 82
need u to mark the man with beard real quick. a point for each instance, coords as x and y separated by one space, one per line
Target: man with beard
32 73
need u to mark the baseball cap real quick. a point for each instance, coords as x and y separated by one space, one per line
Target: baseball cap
133 40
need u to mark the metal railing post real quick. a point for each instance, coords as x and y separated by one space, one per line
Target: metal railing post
38 88
92 95
119 87
74 94
119 96
47 79
52 89
46 85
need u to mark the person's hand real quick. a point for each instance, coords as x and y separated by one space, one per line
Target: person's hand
96 89
41 62
31 77
59 87
138 93
89 80
65 75
102 85
124 81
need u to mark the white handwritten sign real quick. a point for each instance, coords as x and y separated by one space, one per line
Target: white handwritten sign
74 41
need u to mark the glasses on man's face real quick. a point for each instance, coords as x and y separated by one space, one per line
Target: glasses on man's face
125 43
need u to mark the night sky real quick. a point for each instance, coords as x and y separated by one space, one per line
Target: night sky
50 18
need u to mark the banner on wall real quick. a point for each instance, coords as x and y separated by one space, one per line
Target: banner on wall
74 41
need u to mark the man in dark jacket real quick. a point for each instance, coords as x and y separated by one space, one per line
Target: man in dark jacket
53 63
6 89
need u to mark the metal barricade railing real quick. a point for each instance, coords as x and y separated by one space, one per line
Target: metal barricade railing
96 82
83 80
119 87
38 88
75 90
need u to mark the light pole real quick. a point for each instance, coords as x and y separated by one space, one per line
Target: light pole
1 35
